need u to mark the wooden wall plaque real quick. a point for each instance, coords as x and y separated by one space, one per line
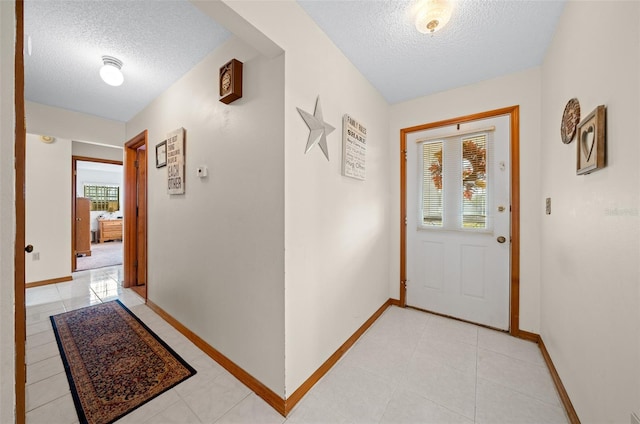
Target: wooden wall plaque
230 81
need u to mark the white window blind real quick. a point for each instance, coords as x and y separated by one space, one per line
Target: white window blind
432 184
455 182
474 181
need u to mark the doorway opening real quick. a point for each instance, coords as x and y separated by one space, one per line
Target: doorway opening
514 253
97 203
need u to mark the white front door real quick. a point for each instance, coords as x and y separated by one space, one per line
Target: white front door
458 221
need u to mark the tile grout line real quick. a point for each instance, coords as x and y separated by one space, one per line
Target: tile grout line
227 411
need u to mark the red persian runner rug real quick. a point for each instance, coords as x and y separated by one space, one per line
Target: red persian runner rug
114 363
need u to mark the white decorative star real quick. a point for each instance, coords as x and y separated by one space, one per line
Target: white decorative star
318 129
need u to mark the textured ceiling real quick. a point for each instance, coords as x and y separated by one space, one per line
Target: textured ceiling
484 39
160 40
157 41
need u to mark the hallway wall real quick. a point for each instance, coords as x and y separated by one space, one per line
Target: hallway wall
63 123
590 242
336 228
48 208
79 148
216 253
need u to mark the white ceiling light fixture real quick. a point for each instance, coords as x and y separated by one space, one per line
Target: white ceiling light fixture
433 15
110 71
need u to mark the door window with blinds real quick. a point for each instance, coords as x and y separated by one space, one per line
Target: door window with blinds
456 182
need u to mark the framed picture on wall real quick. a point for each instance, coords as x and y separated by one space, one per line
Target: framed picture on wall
161 154
591 142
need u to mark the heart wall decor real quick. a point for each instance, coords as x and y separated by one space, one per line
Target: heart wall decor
591 143
588 139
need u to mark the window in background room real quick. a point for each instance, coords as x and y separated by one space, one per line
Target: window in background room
103 197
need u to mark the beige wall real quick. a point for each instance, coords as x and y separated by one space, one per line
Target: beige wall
7 206
48 208
521 89
336 228
590 252
90 150
57 122
216 253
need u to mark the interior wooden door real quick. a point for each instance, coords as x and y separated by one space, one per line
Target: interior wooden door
135 214
83 226
141 216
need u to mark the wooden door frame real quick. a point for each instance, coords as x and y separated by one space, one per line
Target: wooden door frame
131 237
74 193
20 319
514 115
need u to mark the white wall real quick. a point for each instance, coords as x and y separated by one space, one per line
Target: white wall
337 228
48 208
57 122
89 150
521 89
590 252
7 217
216 253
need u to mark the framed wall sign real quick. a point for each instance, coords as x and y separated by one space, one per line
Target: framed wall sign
591 142
230 81
354 148
161 154
175 162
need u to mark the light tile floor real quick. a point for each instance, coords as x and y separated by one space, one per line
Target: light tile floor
409 367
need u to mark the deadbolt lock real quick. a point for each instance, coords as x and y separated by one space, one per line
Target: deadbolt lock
501 208
501 239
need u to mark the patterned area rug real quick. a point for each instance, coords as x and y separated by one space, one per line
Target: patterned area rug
114 363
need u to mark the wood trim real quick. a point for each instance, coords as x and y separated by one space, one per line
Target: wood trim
394 302
130 236
526 335
403 218
20 318
49 281
514 113
296 396
562 392
74 194
99 160
457 319
269 396
283 406
514 326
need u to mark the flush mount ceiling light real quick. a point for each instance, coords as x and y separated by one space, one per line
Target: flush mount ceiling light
433 15
110 71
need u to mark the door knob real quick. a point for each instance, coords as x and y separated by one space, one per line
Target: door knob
29 248
501 239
